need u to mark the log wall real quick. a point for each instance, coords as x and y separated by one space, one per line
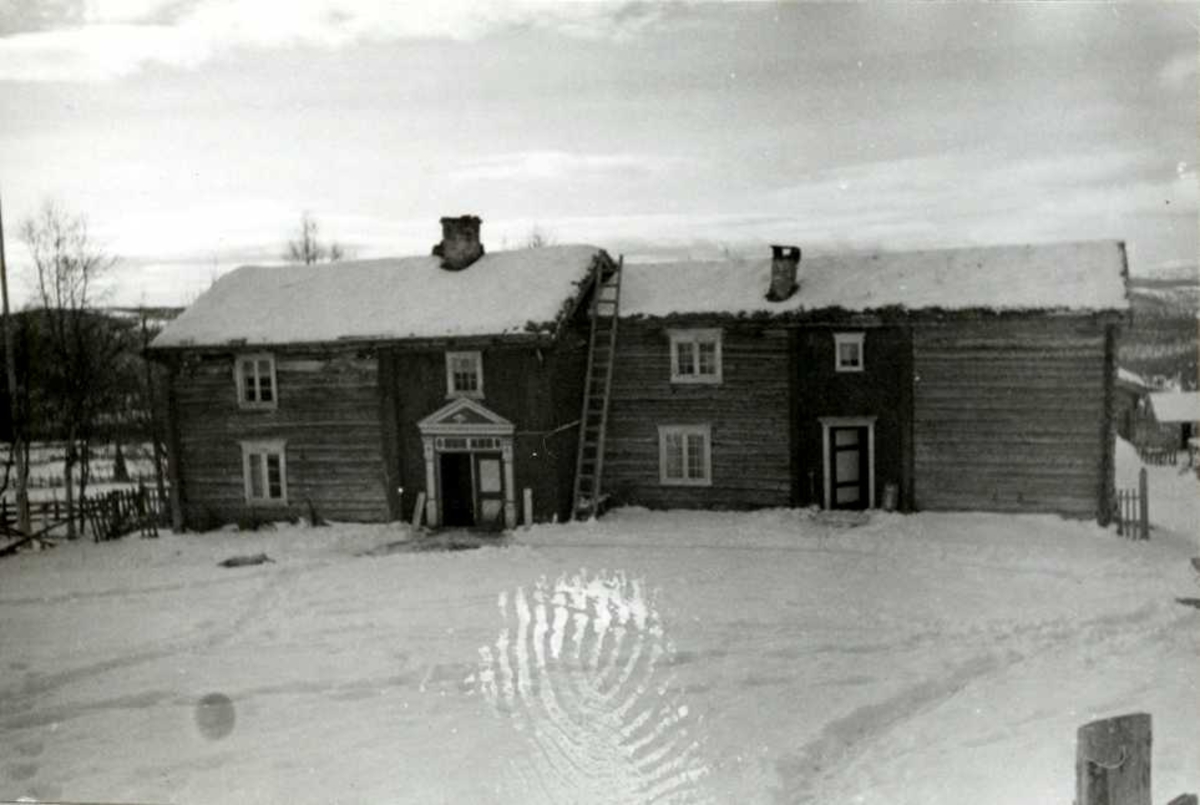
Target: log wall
1010 415
538 390
329 414
882 390
749 414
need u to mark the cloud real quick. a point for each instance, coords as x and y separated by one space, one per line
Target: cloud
985 197
1181 69
559 165
120 37
96 53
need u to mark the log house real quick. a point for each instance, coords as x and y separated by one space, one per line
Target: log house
951 379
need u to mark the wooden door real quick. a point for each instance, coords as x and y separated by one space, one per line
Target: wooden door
848 471
489 490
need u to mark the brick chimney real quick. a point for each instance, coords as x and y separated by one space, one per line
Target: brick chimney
785 261
460 244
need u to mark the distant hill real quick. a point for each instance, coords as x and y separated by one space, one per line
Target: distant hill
1162 339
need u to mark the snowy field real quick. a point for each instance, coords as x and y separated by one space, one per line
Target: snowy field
778 656
46 470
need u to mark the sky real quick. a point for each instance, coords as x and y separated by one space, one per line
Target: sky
193 134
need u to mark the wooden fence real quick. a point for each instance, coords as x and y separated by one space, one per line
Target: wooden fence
1132 509
1158 456
106 516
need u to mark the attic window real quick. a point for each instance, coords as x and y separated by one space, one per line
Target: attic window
464 374
695 356
848 352
255 377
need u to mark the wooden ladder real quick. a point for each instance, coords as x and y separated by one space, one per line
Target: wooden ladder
593 423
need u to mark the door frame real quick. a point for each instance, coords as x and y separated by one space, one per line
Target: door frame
827 424
466 426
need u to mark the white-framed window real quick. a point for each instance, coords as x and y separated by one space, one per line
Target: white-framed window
255 376
264 469
695 356
848 352
685 455
464 374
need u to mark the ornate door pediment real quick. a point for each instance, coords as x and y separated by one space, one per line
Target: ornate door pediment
463 417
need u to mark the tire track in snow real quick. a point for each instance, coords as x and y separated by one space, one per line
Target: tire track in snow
844 738
16 701
851 736
581 667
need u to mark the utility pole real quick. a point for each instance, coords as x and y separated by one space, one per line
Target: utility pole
10 360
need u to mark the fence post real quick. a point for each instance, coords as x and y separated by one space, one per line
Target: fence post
1144 502
1112 761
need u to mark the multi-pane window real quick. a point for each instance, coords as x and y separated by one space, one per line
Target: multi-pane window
695 356
264 466
464 374
256 381
685 457
848 352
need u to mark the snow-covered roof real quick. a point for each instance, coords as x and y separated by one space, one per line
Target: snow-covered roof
1176 406
1131 378
410 297
1085 276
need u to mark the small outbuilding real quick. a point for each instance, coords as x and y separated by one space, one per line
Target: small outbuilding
1177 413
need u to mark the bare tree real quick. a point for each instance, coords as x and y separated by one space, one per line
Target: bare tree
81 342
538 238
307 247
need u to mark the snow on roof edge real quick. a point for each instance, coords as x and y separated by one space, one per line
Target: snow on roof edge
1081 277
517 293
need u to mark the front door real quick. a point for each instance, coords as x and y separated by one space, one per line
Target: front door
458 502
489 490
848 468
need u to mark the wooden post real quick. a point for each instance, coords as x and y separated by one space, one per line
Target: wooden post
18 427
155 437
527 501
1108 429
173 453
1144 502
1112 761
418 510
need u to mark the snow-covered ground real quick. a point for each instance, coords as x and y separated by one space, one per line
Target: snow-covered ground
776 656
